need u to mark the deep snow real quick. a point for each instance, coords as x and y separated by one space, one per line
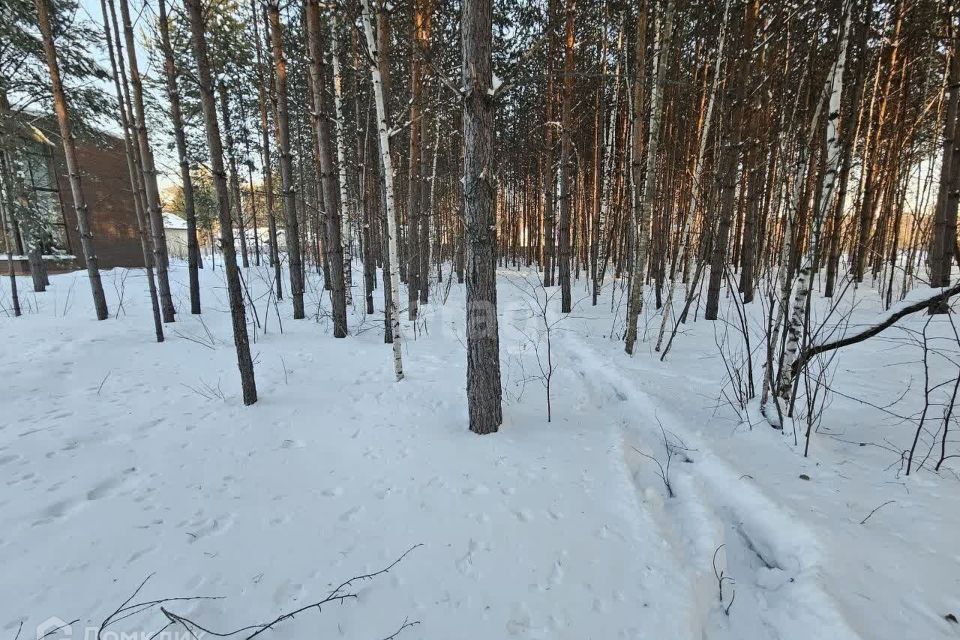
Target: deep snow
121 460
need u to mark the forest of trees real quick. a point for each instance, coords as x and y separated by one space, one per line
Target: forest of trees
671 153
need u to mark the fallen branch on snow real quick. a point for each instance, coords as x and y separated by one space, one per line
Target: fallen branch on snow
337 595
888 321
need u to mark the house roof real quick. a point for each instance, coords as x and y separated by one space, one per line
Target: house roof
173 221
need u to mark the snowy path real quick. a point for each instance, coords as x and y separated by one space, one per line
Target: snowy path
717 516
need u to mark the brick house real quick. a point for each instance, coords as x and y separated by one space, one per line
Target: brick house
106 188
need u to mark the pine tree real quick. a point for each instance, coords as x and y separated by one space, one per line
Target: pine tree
237 312
479 190
73 168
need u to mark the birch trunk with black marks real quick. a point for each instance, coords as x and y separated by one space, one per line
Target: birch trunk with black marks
386 164
643 202
346 172
801 284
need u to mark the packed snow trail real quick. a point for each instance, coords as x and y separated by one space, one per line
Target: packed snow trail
722 523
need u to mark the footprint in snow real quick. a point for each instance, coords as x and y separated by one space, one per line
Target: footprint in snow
8 458
210 527
57 511
110 486
479 490
465 564
351 514
523 515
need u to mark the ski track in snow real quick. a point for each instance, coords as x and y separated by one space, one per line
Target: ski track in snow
772 557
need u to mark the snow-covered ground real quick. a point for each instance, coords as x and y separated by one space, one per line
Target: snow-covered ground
124 459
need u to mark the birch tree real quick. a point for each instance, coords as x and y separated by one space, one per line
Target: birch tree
801 285
643 204
347 194
386 164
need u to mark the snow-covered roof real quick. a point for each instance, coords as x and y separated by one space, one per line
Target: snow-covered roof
173 221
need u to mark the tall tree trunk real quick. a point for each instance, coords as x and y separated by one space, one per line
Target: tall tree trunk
605 187
149 170
6 220
386 163
729 159
26 226
696 192
173 94
549 180
73 168
254 222
944 233
236 200
208 102
390 303
265 159
566 160
370 191
143 226
483 338
427 222
643 205
328 171
346 171
801 285
413 171
292 235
